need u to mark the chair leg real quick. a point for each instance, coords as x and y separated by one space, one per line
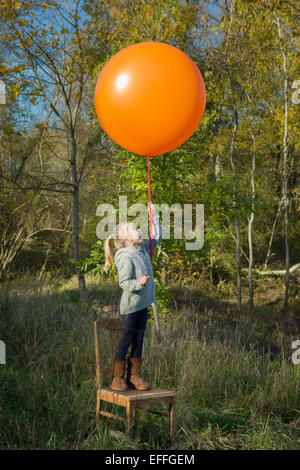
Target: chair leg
129 418
172 417
98 407
143 414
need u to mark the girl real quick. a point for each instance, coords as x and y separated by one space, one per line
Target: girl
133 264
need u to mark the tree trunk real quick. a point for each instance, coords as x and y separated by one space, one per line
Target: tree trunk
278 272
75 214
272 234
285 177
250 242
237 224
237 219
235 186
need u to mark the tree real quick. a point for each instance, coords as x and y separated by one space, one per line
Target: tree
48 44
271 35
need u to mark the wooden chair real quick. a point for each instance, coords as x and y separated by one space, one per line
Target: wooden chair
131 400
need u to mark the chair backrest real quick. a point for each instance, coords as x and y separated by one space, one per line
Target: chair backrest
112 327
109 311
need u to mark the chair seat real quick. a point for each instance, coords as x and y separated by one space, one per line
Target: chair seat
153 395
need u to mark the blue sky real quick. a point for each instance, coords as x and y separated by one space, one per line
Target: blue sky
46 20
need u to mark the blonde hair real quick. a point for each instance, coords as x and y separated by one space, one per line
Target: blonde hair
118 240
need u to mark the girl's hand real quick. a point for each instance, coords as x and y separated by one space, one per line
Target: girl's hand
151 208
144 280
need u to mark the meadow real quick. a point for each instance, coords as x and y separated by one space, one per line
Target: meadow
237 386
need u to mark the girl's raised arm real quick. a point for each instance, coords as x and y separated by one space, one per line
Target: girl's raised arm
156 234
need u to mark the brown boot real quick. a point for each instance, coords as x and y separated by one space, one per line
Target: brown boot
117 381
134 380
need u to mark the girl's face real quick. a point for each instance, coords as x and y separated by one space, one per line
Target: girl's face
134 235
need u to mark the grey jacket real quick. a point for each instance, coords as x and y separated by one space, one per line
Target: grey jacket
132 263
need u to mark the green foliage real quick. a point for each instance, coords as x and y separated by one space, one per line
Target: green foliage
94 263
164 298
240 57
95 258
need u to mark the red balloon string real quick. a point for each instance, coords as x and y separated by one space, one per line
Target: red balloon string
150 212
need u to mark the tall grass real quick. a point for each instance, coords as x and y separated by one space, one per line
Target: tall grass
233 391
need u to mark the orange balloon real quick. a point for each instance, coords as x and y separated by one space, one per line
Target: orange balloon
150 98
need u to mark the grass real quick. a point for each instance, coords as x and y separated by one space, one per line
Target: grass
237 387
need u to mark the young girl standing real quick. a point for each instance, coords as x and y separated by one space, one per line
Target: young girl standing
134 266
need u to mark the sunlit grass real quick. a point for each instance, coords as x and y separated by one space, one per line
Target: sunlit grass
234 391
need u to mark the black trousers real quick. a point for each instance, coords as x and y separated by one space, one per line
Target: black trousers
133 328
